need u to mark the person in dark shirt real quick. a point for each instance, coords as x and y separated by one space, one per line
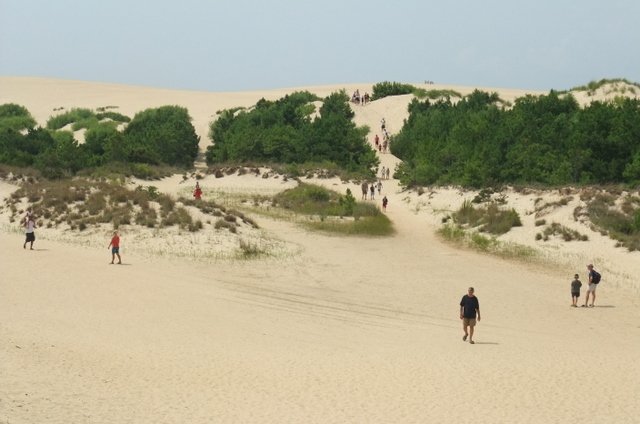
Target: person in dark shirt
575 290
469 310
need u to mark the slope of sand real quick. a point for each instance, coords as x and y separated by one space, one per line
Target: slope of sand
342 330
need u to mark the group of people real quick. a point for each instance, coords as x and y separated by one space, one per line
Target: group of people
381 146
370 190
594 279
470 305
385 173
358 99
29 223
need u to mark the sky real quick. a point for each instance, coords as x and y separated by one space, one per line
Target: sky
241 45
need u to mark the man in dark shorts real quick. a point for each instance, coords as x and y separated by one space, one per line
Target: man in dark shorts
469 309
30 226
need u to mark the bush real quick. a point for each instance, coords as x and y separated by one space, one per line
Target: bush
386 88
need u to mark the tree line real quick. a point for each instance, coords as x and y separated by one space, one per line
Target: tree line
546 140
287 131
157 136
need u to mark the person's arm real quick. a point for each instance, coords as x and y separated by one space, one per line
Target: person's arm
461 310
110 243
478 308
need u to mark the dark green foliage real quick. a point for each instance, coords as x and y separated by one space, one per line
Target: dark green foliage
545 140
163 135
386 88
74 115
283 132
348 203
15 117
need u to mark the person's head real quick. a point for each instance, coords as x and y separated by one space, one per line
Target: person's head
590 267
576 276
115 233
470 291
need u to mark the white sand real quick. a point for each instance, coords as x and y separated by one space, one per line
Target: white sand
341 330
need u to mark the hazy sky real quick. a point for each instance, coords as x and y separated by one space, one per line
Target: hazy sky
230 45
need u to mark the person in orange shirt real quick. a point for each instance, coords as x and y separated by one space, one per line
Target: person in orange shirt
115 247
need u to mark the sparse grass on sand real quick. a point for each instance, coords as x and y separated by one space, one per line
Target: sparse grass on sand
326 210
472 239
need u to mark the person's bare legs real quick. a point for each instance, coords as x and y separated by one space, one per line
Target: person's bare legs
466 333
593 298
471 334
119 260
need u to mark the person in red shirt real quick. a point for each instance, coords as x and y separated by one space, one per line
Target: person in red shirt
115 247
197 193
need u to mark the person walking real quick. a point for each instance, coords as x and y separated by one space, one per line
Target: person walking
575 290
469 310
384 203
115 247
30 235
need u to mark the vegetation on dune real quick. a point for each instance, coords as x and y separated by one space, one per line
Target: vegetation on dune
490 218
592 86
334 212
81 204
616 216
160 136
386 89
543 140
284 132
15 118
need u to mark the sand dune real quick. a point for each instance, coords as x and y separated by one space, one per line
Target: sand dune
339 330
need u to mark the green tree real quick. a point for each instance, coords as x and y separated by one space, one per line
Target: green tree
162 135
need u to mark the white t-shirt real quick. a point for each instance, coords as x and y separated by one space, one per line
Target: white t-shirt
30 226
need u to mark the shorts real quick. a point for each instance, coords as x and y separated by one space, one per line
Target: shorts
575 294
115 250
31 237
471 322
592 287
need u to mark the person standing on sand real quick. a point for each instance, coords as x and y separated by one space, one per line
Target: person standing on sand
115 247
372 191
384 203
388 172
469 308
575 290
594 279
30 234
197 193
365 190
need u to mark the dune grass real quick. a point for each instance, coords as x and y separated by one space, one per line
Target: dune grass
82 203
326 210
472 239
490 218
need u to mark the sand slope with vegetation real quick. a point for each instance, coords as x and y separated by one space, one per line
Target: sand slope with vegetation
276 322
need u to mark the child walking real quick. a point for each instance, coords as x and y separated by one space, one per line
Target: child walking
575 290
115 247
